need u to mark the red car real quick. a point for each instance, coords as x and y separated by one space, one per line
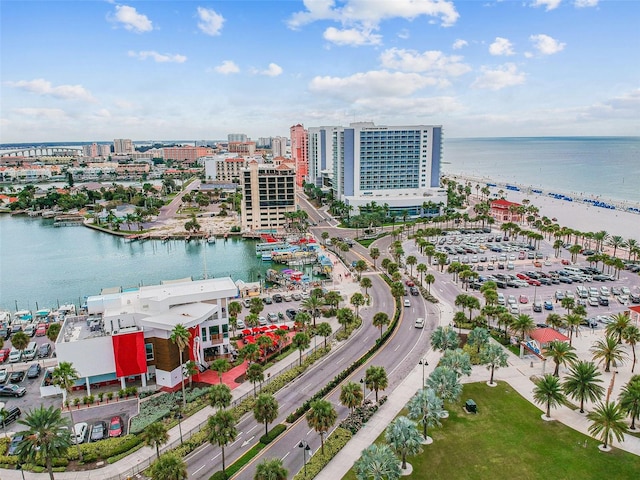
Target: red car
534 282
522 276
524 299
4 354
115 427
566 262
409 283
41 331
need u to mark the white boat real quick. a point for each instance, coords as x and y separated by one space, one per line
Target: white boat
271 247
23 315
5 317
42 313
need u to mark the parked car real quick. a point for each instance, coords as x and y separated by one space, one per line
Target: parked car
3 376
296 296
34 370
523 299
272 317
12 391
267 300
44 350
291 313
262 321
537 306
41 331
115 427
98 431
548 305
16 377
4 354
81 432
15 442
277 298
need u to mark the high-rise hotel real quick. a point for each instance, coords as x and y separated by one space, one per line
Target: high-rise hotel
394 165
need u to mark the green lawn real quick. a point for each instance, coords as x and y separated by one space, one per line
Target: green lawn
508 439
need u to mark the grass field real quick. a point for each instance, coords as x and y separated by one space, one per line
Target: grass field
507 439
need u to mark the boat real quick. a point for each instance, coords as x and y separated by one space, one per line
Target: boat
5 317
23 315
43 313
267 257
211 239
271 247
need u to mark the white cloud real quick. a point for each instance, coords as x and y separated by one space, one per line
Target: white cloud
273 71
404 34
506 75
459 43
227 67
501 46
210 21
351 36
585 3
428 61
546 45
158 57
624 106
47 113
40 86
378 83
548 4
417 107
370 13
132 20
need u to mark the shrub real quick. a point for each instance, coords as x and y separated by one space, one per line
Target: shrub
273 434
332 445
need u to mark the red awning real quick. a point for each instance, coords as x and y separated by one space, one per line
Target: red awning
246 331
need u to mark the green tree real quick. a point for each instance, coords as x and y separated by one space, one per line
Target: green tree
411 261
20 340
255 374
380 319
313 305
321 417
180 336
366 283
457 360
271 469
351 395
155 435
324 330
169 467
64 376
250 352
548 391
374 253
631 336
220 396
478 337
523 324
607 423
426 408
445 382
256 305
47 436
561 353
221 431
301 342
357 300
608 351
220 366
630 399
377 462
444 338
618 326
375 378
53 331
582 383
345 317
265 410
402 436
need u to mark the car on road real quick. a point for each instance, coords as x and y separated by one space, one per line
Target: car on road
419 323
98 431
409 283
34 370
414 291
12 391
407 303
115 426
17 377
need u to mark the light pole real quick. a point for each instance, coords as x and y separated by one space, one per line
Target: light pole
305 448
364 390
424 363
178 415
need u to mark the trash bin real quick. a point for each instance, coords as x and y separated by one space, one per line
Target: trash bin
471 406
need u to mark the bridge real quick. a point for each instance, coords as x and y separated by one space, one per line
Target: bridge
44 152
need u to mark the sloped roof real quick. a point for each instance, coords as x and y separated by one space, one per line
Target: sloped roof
503 203
546 335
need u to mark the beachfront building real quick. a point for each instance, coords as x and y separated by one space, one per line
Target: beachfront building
127 335
268 193
505 211
394 165
300 152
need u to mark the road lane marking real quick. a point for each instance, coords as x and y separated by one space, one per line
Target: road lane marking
339 361
285 456
255 426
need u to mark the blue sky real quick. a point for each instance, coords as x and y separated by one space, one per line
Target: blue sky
155 70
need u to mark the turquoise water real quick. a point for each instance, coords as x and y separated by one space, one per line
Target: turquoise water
50 265
591 166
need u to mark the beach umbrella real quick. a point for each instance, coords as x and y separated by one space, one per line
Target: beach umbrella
255 330
283 327
273 327
250 339
246 331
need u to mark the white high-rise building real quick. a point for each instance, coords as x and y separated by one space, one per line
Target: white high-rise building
279 146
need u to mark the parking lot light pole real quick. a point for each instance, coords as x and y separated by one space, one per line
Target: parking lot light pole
364 390
305 448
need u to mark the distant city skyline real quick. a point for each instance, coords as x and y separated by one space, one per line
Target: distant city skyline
101 70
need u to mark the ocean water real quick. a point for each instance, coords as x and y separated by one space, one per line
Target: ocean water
605 167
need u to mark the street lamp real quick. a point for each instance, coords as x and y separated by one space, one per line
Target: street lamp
424 363
305 448
364 390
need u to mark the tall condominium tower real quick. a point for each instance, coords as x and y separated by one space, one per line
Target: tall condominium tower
300 152
123 146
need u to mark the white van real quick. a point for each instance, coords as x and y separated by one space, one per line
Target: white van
419 322
30 352
15 355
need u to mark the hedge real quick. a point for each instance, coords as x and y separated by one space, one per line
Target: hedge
273 434
332 445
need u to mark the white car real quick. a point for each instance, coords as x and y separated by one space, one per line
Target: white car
3 376
419 323
513 309
623 299
240 324
81 431
262 321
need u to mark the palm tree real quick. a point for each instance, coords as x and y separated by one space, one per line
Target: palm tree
234 308
20 340
618 326
561 353
321 417
402 436
220 396
351 395
265 410
220 366
582 383
222 430
374 253
324 330
380 319
411 261
250 352
631 336
366 283
301 341
572 321
494 357
313 304
608 351
270 469
155 435
444 338
377 462
523 324
478 337
169 467
630 399
445 382
426 407
345 317
375 378
47 436
64 376
608 423
357 300
180 336
548 391
457 360
255 374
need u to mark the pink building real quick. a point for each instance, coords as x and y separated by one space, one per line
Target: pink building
187 153
299 152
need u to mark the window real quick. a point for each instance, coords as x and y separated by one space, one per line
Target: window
148 347
204 334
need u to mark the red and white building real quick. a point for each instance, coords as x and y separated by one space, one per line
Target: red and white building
505 211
